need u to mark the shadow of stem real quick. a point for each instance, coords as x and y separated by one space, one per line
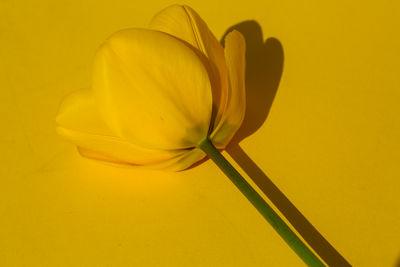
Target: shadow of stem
263 73
311 235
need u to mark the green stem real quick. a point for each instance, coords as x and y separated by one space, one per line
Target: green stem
259 203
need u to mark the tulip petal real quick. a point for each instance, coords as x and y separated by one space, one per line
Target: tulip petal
153 89
79 121
178 163
184 23
235 110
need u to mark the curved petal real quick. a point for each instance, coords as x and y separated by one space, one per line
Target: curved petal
79 111
184 23
235 110
79 121
178 163
153 89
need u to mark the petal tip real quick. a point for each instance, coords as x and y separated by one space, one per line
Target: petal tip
235 34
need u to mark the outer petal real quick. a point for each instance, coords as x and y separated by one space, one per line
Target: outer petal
178 163
153 89
79 121
235 110
184 23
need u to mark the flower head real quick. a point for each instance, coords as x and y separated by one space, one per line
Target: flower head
157 93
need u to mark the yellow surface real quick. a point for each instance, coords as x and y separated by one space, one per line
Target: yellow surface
330 142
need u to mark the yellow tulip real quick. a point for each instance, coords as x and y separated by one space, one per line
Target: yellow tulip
157 93
164 98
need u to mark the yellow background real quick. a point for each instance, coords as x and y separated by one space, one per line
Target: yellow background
330 142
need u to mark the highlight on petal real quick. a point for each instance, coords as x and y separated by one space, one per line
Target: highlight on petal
234 112
153 89
79 121
184 23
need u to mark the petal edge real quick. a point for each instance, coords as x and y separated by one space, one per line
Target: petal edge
233 115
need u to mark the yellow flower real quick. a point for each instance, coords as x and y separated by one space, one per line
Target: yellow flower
157 93
163 98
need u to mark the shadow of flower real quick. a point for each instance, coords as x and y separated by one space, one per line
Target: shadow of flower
264 66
